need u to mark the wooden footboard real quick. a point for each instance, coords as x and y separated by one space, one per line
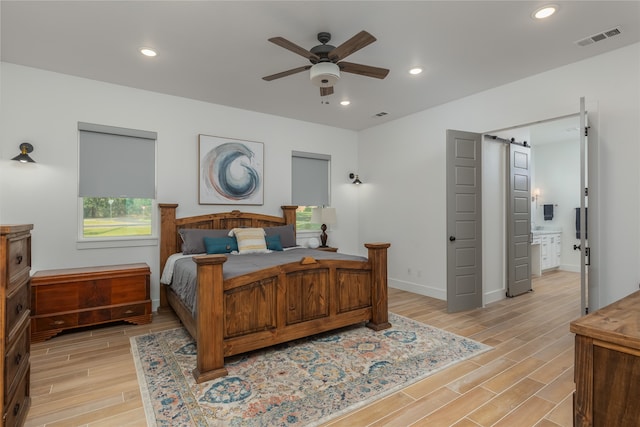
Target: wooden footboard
284 303
276 304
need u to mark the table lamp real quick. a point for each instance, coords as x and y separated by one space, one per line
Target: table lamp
323 216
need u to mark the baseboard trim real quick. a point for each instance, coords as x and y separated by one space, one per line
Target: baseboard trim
419 289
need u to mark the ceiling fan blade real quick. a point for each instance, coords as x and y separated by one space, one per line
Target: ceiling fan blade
286 73
324 91
352 45
363 70
282 42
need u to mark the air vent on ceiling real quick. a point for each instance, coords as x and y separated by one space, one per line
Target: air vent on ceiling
381 113
598 37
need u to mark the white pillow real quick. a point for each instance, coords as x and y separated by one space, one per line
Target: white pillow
250 240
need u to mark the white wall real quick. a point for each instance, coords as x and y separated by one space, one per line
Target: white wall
403 163
557 175
494 208
44 108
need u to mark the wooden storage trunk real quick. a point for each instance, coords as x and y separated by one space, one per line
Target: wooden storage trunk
75 297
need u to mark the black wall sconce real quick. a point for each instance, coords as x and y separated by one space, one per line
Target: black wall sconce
25 149
356 180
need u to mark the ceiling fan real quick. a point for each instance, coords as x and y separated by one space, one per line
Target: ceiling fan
326 60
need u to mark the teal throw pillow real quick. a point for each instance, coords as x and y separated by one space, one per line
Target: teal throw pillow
220 245
274 243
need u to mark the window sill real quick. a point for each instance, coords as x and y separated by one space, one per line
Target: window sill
308 233
116 243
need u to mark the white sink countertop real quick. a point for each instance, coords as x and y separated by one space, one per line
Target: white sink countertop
538 231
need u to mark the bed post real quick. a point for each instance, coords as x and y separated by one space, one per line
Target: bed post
167 242
379 304
167 231
210 318
289 214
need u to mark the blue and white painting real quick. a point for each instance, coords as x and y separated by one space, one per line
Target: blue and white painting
231 171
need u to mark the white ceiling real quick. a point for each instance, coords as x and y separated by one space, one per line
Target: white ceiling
217 51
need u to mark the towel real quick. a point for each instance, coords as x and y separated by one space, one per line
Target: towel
578 228
548 212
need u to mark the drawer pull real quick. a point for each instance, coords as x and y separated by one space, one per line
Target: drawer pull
18 358
16 409
128 312
57 323
19 259
19 308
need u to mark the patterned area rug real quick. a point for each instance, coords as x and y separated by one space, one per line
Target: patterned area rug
302 383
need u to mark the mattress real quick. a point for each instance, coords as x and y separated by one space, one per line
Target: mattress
181 271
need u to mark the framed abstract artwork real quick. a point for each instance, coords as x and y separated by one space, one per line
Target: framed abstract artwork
231 171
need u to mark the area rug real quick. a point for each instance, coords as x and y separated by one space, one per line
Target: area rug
302 383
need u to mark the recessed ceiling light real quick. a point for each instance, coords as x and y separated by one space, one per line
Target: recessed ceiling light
345 102
545 11
146 51
415 71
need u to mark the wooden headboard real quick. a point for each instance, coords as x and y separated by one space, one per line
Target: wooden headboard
171 242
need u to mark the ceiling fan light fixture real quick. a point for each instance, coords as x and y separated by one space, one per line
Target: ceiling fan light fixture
324 74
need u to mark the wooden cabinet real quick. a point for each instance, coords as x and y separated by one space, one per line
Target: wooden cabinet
15 267
607 365
74 297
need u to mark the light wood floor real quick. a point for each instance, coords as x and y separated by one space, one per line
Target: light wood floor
88 378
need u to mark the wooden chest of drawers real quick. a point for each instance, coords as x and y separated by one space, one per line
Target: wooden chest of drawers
15 266
75 297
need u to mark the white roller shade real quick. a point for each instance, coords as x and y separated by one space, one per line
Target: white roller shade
310 179
116 162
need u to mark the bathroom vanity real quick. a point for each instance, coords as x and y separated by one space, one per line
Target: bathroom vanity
546 247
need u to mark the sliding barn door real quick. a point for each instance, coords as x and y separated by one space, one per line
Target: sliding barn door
519 221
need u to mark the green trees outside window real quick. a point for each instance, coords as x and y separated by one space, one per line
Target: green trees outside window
116 217
303 219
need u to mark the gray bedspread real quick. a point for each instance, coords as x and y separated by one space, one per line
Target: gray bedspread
185 270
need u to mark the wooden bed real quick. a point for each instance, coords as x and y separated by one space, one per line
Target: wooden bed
273 305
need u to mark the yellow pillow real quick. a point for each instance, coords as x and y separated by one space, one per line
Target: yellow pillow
250 240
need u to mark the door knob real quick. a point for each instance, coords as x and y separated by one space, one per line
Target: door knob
452 238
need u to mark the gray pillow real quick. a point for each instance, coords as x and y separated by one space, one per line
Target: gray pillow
193 239
286 233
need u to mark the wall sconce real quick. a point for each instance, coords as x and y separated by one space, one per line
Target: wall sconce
25 149
356 180
535 195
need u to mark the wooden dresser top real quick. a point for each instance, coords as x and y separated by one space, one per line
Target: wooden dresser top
617 323
14 228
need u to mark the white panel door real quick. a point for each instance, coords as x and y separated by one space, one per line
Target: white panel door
582 225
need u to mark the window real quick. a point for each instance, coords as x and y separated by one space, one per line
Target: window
117 181
309 186
115 217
